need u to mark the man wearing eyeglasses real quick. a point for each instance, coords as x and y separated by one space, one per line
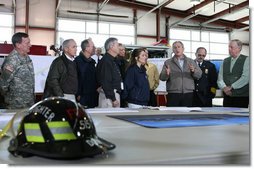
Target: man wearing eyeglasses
205 87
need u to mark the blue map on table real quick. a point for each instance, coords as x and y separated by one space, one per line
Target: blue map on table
183 120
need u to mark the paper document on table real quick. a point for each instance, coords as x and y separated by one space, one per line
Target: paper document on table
110 110
182 109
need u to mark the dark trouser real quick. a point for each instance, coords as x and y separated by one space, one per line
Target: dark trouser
123 102
179 99
89 100
235 101
152 100
199 100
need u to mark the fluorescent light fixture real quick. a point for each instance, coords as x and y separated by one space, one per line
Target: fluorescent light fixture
194 2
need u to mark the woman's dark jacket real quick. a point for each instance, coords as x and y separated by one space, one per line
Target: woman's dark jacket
136 86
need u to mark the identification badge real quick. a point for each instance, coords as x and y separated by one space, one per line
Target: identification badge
122 86
206 71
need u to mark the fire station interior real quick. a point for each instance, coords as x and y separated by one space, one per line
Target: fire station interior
154 25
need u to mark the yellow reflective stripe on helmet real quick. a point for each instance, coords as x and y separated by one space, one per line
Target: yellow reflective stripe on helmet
67 136
37 139
58 124
32 126
33 132
61 130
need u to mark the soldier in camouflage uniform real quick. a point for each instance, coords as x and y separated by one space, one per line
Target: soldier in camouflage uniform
17 77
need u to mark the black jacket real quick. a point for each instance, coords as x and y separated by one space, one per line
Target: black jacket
57 76
136 86
122 63
109 76
207 83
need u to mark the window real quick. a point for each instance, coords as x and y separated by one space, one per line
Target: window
103 28
119 29
91 27
153 51
6 27
216 43
98 31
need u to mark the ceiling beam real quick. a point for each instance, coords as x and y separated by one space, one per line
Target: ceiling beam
14 3
246 18
58 2
170 12
227 11
198 11
241 29
167 3
102 5
230 24
156 7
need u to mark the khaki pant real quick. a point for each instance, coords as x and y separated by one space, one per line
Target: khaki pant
107 103
70 97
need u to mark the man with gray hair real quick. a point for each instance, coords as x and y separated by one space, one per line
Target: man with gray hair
62 79
234 76
109 76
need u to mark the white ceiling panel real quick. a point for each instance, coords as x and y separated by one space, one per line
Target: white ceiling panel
237 15
235 1
214 9
180 5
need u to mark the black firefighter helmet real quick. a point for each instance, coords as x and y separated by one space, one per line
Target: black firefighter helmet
57 128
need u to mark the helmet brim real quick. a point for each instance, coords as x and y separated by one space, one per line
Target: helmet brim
108 145
56 151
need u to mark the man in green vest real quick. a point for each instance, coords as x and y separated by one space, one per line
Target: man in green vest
234 76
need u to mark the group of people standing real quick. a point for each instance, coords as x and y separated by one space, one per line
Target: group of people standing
194 82
112 81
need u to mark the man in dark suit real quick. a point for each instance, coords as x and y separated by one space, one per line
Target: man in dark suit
205 87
